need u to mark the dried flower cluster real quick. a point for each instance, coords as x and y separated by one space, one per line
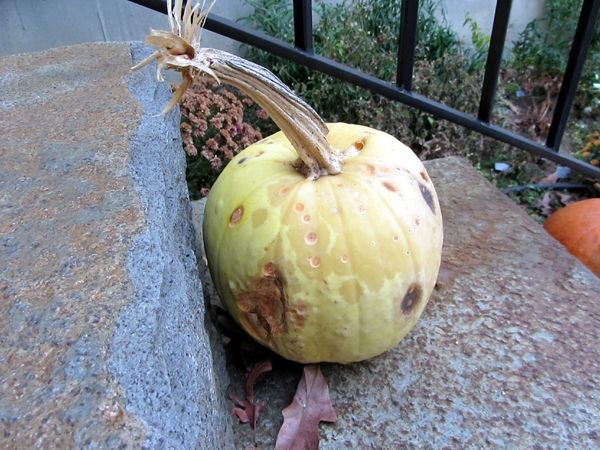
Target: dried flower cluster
217 123
591 151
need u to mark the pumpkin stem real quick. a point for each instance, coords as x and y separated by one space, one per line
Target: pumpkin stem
180 50
303 127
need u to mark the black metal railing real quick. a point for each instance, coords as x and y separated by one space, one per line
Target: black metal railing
302 53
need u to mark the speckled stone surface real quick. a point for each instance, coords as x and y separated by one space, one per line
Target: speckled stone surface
506 354
102 339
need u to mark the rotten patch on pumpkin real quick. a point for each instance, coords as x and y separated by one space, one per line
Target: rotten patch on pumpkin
236 215
427 196
263 309
412 298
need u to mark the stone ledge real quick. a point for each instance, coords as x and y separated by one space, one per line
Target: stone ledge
504 356
102 318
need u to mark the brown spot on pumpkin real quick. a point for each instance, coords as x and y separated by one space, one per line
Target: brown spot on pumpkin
370 169
311 238
390 186
236 215
427 196
298 315
242 160
258 217
284 190
299 207
424 176
359 145
412 298
314 261
263 309
306 218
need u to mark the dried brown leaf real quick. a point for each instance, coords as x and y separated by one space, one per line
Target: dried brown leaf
311 405
248 409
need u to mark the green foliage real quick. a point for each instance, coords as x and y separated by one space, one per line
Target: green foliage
543 48
545 42
477 55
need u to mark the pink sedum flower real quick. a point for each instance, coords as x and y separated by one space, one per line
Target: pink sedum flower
213 125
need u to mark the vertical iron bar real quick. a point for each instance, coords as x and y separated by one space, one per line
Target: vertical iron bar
494 59
568 88
407 42
303 25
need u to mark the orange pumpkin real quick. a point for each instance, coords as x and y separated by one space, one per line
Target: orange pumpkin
577 227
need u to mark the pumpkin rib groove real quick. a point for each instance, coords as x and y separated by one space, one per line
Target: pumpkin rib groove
401 229
349 251
366 188
410 242
285 215
315 221
407 243
400 225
